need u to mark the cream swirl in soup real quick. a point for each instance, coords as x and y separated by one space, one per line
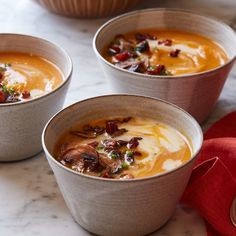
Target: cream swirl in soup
165 52
26 76
123 148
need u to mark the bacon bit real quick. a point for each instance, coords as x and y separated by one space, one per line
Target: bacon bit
106 175
167 42
26 94
110 143
123 56
137 153
134 142
141 37
98 130
89 130
156 71
174 53
93 144
122 142
111 126
119 132
113 50
2 97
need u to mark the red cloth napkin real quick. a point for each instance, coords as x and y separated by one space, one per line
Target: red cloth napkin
212 186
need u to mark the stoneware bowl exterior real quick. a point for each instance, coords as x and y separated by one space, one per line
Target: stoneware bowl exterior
87 8
121 207
22 123
196 93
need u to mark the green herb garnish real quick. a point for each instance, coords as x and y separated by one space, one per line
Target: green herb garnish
114 155
124 165
129 153
11 90
4 88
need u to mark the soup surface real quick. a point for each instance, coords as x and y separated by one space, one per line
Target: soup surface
25 76
164 52
123 148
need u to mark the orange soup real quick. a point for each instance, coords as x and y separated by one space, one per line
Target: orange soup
165 52
26 76
123 148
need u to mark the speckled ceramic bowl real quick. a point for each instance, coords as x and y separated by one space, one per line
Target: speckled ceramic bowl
22 122
196 93
87 8
121 207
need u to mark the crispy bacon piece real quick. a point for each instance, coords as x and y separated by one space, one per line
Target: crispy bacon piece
134 142
2 96
111 126
89 132
156 71
167 42
141 37
26 94
93 144
123 56
174 53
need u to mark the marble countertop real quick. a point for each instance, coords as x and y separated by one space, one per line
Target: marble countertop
30 201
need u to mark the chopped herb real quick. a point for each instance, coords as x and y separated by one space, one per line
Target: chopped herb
129 153
11 90
114 154
4 88
124 165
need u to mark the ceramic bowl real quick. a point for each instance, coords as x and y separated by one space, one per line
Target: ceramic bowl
196 93
22 122
87 8
121 207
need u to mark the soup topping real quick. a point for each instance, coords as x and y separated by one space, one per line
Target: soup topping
25 76
164 52
123 148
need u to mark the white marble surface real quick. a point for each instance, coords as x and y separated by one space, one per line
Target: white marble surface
30 202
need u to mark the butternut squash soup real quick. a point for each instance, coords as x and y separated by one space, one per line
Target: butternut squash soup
165 52
26 76
123 148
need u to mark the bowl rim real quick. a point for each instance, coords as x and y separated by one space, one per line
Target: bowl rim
160 175
66 78
159 77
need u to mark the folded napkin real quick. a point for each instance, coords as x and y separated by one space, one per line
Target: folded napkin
212 186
